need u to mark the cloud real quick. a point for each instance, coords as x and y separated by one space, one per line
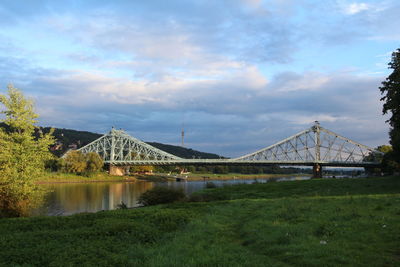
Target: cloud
354 8
179 38
229 116
376 20
241 75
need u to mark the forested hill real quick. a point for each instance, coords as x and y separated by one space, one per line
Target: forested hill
183 152
70 137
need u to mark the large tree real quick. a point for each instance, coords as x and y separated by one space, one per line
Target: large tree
23 152
390 90
77 162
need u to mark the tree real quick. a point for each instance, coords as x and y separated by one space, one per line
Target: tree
22 155
75 162
384 149
389 165
384 159
390 90
93 162
220 169
142 169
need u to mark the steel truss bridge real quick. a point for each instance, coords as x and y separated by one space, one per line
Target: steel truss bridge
315 147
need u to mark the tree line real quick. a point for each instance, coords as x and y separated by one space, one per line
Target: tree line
390 91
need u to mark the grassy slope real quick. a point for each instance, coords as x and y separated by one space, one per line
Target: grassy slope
279 224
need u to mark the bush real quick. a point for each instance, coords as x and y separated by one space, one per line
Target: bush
122 206
94 162
54 164
15 202
77 162
161 195
211 185
141 169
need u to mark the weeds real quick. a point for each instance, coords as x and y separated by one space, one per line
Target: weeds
122 206
161 195
211 185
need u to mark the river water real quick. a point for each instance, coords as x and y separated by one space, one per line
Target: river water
71 198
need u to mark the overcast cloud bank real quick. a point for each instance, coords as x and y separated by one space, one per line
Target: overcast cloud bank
240 75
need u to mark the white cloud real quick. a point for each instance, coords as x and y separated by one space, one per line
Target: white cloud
354 8
307 120
308 81
141 67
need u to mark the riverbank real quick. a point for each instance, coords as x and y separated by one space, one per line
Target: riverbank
230 176
159 177
58 177
318 222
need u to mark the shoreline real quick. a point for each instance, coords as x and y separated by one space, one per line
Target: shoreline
241 177
158 178
131 179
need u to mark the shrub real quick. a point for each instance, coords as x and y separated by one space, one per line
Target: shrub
77 162
211 185
94 162
161 195
141 169
54 164
15 202
122 206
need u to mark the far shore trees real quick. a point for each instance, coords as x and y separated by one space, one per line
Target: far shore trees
77 162
384 168
22 155
390 90
142 169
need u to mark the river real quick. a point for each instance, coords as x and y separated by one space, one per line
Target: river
71 198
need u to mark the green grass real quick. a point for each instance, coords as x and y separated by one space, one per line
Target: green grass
346 222
312 187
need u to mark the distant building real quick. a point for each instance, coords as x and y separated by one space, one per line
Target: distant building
57 146
73 146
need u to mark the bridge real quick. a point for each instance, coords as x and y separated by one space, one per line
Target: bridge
315 146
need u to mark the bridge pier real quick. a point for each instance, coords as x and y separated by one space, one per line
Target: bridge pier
317 171
118 170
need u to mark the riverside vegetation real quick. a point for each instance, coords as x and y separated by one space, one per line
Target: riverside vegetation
319 222
22 155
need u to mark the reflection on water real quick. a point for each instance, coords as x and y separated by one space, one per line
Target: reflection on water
66 199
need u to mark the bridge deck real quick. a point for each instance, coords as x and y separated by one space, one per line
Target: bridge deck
240 162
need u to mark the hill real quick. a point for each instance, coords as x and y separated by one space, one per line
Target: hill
186 153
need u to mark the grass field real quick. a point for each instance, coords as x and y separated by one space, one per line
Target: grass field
328 222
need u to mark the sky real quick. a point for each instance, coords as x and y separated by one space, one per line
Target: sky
237 75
